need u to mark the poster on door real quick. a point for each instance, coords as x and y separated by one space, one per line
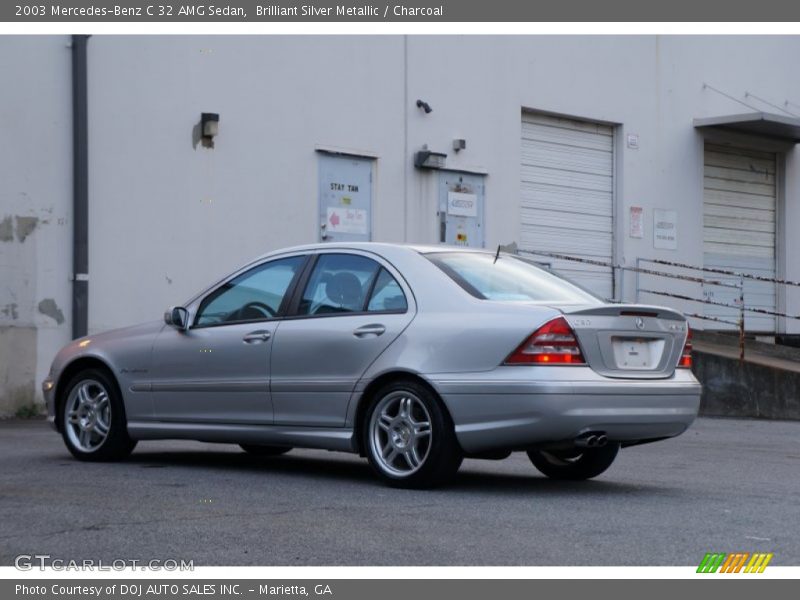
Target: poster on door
462 205
347 220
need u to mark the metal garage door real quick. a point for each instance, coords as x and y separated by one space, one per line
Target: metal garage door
567 195
739 228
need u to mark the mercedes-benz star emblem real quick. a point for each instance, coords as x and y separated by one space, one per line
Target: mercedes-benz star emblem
639 323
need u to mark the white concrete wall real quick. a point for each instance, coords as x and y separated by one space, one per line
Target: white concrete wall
176 216
650 86
168 216
35 212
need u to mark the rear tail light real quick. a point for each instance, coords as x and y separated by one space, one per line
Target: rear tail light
686 355
554 343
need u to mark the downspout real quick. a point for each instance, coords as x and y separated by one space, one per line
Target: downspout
406 158
80 189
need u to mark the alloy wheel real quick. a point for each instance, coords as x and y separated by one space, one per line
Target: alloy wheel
87 415
400 433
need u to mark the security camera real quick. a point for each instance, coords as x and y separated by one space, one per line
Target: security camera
424 106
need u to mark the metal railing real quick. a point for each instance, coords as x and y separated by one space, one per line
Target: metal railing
739 304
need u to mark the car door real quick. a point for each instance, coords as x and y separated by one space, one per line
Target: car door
348 309
218 370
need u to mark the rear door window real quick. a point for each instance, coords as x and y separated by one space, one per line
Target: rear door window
348 284
339 284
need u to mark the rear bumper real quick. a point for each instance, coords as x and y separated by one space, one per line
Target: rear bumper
502 409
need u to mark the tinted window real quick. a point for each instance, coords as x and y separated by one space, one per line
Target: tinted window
252 296
387 295
508 279
339 284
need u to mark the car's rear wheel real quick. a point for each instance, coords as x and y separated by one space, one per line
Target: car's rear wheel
94 427
259 450
575 464
409 438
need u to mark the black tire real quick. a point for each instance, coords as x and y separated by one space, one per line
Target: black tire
577 464
259 450
442 452
116 444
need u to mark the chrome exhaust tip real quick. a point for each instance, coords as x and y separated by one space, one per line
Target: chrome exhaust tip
591 439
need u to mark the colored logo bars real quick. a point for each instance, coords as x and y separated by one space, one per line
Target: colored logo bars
735 562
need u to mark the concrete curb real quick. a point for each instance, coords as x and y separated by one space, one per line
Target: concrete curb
744 389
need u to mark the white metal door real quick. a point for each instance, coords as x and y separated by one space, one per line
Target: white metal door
461 201
568 195
739 202
345 198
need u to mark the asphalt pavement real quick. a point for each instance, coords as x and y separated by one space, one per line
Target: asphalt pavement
724 486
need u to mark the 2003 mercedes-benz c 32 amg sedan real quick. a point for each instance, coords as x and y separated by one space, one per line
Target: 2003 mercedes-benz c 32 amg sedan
414 357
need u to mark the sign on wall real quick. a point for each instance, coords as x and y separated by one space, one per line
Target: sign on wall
462 205
665 229
637 222
345 198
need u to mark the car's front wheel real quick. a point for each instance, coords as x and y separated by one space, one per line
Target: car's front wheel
576 464
93 418
259 450
409 438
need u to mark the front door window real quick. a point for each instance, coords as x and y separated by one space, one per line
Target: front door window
255 295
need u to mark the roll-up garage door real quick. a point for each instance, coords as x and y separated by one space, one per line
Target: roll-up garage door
739 203
567 195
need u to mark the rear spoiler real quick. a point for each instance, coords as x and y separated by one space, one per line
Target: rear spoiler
628 310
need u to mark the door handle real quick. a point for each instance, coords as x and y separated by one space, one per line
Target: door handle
375 329
256 337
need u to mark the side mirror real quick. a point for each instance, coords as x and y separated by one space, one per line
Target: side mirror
178 317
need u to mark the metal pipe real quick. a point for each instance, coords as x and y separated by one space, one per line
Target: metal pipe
80 188
637 269
723 272
738 286
738 306
741 318
406 157
708 318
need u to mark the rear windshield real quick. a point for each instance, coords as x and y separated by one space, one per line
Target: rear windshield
508 279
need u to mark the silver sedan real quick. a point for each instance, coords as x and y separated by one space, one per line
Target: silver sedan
412 356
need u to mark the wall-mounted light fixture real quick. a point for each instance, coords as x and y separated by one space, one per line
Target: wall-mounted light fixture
426 159
209 125
459 145
424 106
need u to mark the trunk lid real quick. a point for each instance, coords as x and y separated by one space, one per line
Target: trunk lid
629 341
